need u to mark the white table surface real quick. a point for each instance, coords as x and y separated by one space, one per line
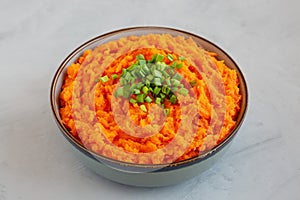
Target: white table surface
262 36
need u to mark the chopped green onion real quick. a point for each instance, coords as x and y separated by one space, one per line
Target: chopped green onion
104 79
193 83
150 77
140 98
145 69
179 66
177 77
136 91
163 96
174 64
158 100
139 85
143 108
148 99
174 89
124 71
142 74
133 101
173 99
114 76
156 91
142 62
153 58
183 91
159 58
148 83
165 90
170 57
168 82
157 81
140 57
181 58
175 82
157 73
166 111
131 67
127 76
145 90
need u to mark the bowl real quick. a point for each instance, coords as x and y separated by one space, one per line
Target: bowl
146 175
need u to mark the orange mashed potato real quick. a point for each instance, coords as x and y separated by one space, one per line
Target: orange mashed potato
116 55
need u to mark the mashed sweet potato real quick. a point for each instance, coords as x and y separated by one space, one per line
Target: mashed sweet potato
92 114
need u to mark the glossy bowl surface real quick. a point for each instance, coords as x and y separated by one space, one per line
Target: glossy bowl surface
135 174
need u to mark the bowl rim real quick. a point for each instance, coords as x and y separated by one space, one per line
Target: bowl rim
133 166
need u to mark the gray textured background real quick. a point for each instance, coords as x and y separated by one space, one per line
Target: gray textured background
262 36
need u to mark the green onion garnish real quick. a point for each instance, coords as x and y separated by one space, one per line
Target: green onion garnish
173 99
183 91
158 100
133 101
166 111
114 76
140 98
193 83
170 57
181 58
140 57
159 58
148 99
104 79
143 108
153 80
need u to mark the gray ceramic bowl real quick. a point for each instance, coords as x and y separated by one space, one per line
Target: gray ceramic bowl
134 174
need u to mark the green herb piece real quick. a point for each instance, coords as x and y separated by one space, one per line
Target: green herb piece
165 90
179 66
173 99
150 77
145 90
159 58
175 82
181 58
148 99
104 79
156 91
174 64
157 81
183 91
124 71
142 62
139 85
136 91
157 73
140 57
140 98
193 83
162 96
158 100
168 82
143 108
114 76
148 83
153 58
133 101
170 57
166 111
177 77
